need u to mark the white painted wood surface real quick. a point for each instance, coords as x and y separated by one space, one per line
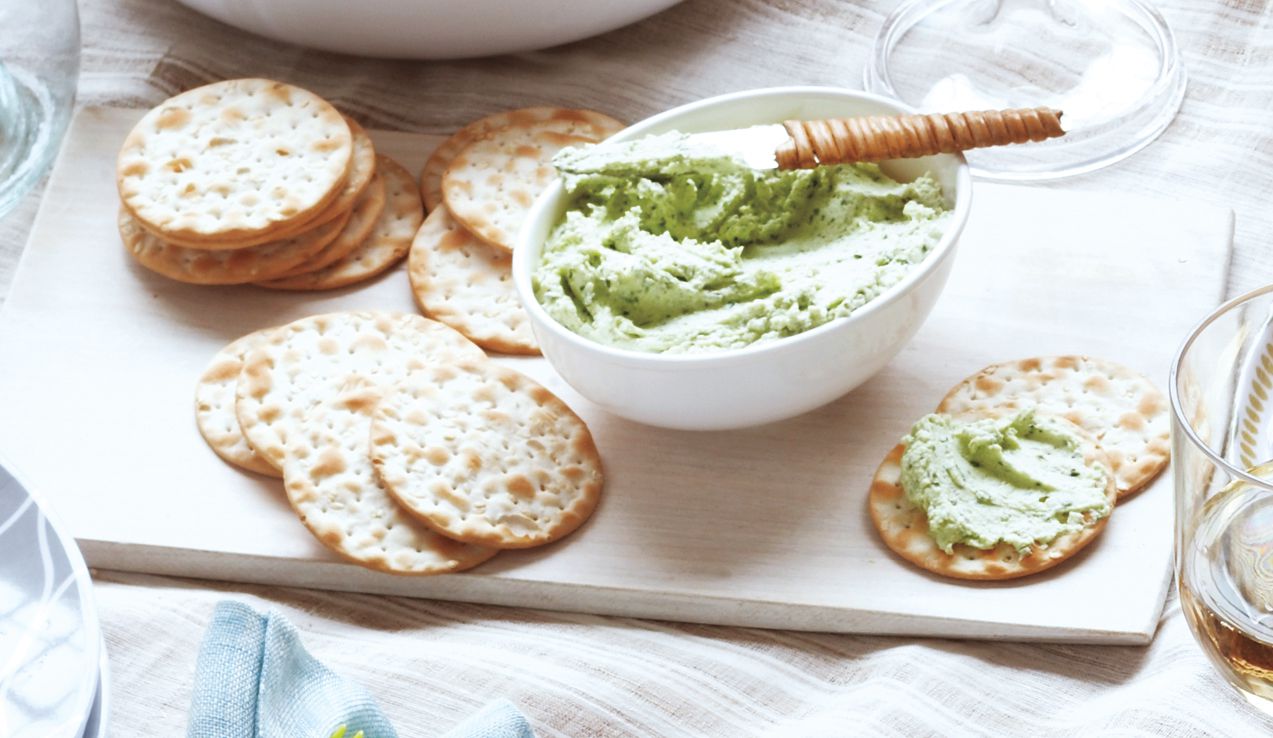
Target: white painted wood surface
764 527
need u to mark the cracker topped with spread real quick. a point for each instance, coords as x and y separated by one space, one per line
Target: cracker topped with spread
1122 409
1020 467
992 498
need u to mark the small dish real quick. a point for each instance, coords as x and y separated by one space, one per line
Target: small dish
99 717
767 381
50 640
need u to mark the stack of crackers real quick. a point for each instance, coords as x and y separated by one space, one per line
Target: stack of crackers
1120 415
478 186
401 446
258 181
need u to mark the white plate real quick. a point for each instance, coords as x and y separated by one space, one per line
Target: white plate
50 641
428 29
99 716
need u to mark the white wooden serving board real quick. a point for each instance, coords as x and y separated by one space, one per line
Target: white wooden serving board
763 527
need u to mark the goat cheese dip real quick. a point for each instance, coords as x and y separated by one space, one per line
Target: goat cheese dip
1020 480
666 246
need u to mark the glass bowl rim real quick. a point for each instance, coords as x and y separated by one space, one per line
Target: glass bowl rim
1166 92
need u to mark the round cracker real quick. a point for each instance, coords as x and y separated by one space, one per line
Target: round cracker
214 407
333 489
493 181
903 526
240 266
234 160
362 219
387 244
362 169
468 285
304 400
575 122
484 455
333 358
1123 410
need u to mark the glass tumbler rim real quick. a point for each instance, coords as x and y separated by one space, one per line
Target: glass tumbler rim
1173 387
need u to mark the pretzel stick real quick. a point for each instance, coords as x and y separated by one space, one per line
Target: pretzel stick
880 137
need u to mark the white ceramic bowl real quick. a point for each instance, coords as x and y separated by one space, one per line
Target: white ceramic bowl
767 381
428 29
50 639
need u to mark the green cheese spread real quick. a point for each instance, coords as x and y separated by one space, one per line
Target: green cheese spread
665 247
1019 480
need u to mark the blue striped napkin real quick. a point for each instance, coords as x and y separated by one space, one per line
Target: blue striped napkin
254 679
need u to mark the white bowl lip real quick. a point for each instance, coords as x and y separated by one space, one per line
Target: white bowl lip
83 581
521 266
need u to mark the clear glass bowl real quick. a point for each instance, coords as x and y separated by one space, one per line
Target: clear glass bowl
1111 66
39 69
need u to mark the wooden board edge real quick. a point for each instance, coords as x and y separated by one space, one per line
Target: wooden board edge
559 597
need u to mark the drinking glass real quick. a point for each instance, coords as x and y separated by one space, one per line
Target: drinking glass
1222 441
1111 66
39 68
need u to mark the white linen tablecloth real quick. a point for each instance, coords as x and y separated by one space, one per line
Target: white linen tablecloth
431 663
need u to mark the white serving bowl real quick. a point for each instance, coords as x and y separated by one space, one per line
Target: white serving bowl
428 29
771 380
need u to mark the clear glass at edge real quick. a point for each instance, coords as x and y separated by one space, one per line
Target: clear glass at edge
1222 443
39 69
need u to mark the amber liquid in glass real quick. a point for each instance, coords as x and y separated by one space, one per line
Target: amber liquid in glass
1226 586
